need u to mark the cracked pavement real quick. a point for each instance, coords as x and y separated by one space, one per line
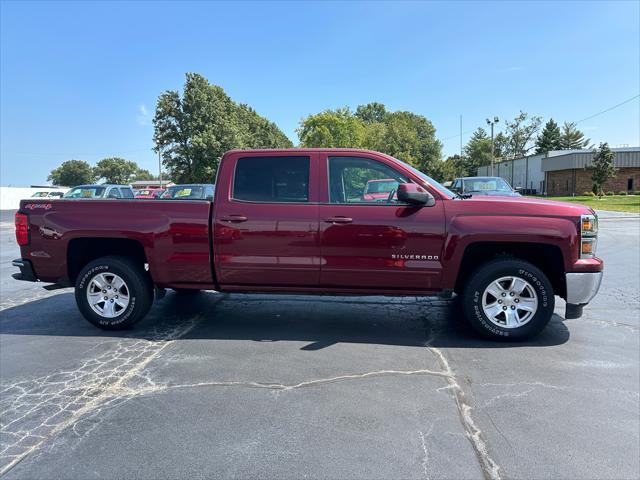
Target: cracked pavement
259 386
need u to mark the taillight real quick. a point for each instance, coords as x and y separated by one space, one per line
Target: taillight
22 229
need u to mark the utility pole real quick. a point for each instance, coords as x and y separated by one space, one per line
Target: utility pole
492 123
160 166
460 135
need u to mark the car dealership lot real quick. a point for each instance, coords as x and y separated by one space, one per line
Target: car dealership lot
249 386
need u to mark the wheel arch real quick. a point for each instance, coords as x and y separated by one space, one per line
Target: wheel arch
547 257
82 250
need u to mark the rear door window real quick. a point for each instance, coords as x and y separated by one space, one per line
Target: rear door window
272 179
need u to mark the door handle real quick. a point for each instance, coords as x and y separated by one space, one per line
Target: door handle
339 220
234 218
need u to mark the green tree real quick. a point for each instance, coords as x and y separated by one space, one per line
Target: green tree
453 167
72 173
477 153
549 138
572 138
115 170
602 168
193 130
520 134
404 135
412 138
373 112
332 129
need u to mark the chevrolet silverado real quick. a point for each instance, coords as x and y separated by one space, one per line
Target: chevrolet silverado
299 221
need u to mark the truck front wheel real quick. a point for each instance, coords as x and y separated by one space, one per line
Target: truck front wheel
113 292
508 299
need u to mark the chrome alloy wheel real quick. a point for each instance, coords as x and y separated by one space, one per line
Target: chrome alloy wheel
509 302
108 295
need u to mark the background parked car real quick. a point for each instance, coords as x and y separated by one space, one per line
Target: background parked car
379 189
100 191
493 186
196 191
153 193
47 195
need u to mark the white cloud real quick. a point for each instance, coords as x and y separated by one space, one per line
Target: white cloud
144 117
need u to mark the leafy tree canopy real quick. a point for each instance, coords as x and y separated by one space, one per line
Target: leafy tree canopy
549 138
72 173
404 135
338 128
195 128
115 170
519 135
372 112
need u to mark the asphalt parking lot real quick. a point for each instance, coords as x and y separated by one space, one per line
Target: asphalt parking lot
256 386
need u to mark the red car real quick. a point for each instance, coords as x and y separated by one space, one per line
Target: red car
150 193
295 220
380 189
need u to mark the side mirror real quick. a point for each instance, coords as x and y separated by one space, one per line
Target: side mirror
414 194
209 197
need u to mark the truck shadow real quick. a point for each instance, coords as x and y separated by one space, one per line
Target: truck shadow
320 321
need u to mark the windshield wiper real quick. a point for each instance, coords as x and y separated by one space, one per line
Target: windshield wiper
462 195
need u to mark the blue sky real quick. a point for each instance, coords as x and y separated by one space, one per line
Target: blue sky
80 79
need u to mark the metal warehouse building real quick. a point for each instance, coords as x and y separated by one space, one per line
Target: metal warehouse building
525 173
565 172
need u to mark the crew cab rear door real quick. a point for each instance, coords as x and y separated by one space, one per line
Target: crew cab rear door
372 242
266 220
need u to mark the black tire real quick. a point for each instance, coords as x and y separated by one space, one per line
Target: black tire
494 270
138 287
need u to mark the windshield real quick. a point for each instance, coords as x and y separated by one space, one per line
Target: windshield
381 186
85 192
39 195
184 192
444 190
486 184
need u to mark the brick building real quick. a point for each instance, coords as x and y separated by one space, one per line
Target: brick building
566 172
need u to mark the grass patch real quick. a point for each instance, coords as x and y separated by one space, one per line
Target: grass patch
618 203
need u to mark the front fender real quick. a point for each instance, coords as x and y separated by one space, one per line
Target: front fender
465 230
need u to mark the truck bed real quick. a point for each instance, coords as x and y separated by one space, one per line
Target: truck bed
173 236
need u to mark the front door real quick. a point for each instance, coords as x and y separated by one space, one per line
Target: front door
266 230
370 241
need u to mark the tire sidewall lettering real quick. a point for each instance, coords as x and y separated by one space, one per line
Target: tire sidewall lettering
87 277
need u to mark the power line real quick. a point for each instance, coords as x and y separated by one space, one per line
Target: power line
579 121
608 109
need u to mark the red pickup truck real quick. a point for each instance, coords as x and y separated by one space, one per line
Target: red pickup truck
297 221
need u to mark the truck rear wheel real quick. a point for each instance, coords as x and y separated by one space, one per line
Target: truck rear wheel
113 292
508 299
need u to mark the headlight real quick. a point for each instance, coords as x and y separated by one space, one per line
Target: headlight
589 225
588 234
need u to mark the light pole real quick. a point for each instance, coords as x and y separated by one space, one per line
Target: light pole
492 123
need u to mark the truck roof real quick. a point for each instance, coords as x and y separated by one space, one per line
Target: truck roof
298 150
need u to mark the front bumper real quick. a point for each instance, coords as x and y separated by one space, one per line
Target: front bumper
26 270
581 288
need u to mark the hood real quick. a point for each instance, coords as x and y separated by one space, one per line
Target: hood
495 193
522 206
